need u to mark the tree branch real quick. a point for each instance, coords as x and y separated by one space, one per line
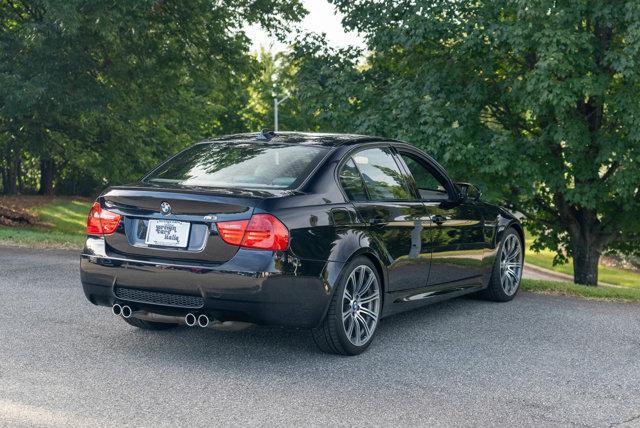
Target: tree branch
612 170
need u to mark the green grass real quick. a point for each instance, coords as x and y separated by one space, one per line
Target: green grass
606 274
570 289
65 217
39 238
66 227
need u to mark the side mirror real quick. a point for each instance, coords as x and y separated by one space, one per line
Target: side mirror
469 191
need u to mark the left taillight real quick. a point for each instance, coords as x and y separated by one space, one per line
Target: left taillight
101 221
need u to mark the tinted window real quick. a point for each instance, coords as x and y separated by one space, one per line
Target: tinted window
429 186
249 165
352 182
381 175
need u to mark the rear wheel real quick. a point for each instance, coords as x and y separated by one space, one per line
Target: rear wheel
507 269
354 311
149 325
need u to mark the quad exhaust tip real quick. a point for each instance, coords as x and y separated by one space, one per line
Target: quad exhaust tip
116 309
190 319
123 310
126 312
203 320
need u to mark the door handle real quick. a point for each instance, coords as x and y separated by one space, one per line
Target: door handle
438 219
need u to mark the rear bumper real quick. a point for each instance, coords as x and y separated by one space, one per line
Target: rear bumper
255 286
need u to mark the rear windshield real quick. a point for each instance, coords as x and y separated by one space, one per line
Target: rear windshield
250 165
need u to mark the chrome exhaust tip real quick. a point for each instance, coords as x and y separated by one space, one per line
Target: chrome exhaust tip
203 320
116 309
190 319
126 312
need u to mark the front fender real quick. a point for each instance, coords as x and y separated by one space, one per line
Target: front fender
497 221
505 220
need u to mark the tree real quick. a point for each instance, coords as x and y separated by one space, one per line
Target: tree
539 99
330 86
108 89
277 77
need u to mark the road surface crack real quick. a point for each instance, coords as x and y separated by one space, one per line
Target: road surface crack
626 421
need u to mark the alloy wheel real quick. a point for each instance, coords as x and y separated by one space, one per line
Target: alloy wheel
361 305
511 264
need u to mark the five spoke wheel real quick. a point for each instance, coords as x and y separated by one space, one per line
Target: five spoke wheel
361 305
511 264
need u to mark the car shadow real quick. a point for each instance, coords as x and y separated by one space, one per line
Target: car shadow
255 345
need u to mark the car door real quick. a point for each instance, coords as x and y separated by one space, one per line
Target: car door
456 237
392 213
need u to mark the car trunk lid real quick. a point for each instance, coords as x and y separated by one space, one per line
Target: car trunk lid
176 223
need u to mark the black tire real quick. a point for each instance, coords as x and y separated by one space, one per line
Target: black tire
149 325
331 335
495 290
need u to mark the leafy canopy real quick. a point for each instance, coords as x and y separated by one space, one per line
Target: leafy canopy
535 100
103 90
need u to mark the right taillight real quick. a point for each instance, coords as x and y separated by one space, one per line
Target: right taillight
263 231
100 221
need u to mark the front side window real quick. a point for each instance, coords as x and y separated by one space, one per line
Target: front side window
381 175
428 185
240 165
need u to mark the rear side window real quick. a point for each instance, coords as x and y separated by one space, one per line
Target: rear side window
240 165
351 182
381 175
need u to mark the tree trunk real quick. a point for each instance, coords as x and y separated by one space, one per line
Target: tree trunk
47 169
586 239
20 177
10 175
586 255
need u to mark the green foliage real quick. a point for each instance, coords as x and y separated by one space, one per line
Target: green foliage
331 90
101 91
278 78
535 101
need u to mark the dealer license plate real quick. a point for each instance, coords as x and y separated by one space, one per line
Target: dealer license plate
168 233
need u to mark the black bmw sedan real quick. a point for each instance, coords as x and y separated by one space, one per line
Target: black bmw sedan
327 232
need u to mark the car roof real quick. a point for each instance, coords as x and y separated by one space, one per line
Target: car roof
306 138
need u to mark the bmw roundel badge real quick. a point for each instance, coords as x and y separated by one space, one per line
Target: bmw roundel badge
165 208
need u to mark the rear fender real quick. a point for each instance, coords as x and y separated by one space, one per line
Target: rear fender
349 245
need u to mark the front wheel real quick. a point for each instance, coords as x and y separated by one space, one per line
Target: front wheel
507 269
354 311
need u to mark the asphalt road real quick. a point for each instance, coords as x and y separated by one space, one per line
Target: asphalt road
540 360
